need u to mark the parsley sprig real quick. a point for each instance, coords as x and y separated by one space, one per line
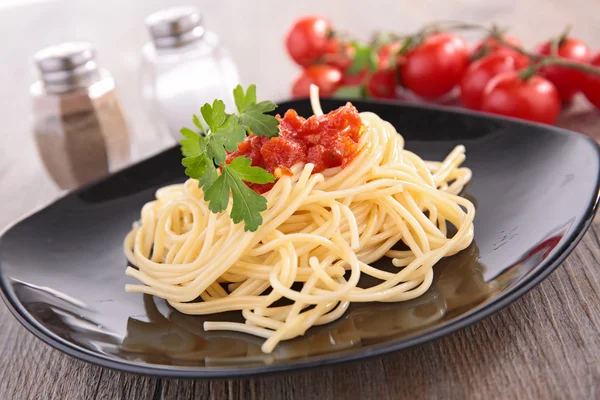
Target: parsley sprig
206 151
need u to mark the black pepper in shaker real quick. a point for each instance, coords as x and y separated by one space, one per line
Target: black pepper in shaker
79 127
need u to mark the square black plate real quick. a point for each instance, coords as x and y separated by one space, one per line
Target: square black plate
535 189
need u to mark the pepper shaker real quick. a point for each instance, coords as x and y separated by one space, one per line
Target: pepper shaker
79 128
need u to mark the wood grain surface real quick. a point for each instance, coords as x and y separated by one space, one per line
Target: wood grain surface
545 345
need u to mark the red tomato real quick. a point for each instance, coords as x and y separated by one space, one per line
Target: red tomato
591 89
382 84
386 53
434 67
327 78
567 81
338 54
478 74
492 45
535 99
356 79
308 39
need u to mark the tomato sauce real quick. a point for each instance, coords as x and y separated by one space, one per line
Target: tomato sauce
330 140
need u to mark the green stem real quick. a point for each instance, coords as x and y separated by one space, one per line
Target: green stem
561 62
529 72
415 39
518 49
342 35
498 30
550 60
564 35
451 25
554 45
398 37
559 41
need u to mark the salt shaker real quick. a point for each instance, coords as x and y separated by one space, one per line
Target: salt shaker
182 68
79 128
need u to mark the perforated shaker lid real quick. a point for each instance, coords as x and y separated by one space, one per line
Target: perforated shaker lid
67 65
175 26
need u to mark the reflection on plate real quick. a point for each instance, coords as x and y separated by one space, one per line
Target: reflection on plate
179 339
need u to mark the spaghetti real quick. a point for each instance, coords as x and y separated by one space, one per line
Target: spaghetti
320 233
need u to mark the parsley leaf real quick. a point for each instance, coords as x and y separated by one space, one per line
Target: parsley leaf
198 124
209 177
217 194
195 166
214 115
225 131
242 101
259 123
199 166
190 145
226 136
243 169
253 115
204 152
203 169
247 204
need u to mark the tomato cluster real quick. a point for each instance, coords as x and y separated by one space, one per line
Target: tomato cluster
497 75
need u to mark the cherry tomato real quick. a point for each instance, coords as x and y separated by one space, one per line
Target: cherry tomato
326 77
382 84
355 79
492 46
591 89
479 73
534 99
567 81
385 54
338 54
434 67
308 39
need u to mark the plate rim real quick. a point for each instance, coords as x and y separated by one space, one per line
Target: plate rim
545 268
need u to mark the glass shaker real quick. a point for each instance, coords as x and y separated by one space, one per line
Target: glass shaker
182 68
79 128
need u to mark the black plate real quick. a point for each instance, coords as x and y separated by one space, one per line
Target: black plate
535 189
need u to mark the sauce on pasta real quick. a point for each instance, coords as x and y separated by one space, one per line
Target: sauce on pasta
327 141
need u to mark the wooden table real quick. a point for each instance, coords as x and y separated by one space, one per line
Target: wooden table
545 345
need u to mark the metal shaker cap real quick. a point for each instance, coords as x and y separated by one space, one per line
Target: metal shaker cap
67 65
175 26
